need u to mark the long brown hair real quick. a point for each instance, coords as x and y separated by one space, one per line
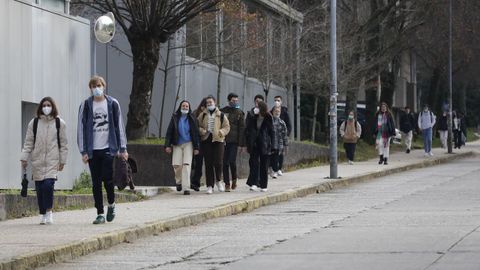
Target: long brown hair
203 104
263 108
54 112
387 111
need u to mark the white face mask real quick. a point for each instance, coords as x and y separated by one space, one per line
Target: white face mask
278 103
184 111
47 110
211 107
256 110
97 91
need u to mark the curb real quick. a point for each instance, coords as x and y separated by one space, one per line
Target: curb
80 248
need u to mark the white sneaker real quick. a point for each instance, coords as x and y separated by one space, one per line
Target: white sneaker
220 186
253 188
350 162
274 175
427 155
43 220
279 173
209 190
263 190
430 154
49 218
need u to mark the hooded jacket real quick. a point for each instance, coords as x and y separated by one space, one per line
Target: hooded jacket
45 154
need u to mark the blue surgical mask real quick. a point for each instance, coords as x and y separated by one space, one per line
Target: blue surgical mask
97 91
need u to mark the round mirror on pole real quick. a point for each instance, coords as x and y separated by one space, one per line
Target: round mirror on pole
105 28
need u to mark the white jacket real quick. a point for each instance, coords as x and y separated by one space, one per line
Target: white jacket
45 155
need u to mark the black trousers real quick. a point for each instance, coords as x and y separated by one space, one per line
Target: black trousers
350 150
101 169
258 169
230 162
44 191
457 138
213 154
280 161
197 167
275 161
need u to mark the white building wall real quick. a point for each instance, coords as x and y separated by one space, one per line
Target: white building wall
42 53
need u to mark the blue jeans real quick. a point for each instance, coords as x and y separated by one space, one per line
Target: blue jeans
427 140
44 191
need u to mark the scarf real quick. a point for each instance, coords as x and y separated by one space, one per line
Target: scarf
382 128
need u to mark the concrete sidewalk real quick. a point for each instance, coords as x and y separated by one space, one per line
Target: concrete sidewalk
25 244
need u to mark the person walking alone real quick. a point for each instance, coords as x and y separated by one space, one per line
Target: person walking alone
426 121
101 137
259 139
350 131
182 136
384 130
46 145
407 125
233 141
279 142
213 127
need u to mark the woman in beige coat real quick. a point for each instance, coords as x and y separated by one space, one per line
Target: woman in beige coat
46 145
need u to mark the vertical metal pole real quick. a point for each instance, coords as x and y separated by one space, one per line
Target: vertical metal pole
450 84
297 78
106 67
333 90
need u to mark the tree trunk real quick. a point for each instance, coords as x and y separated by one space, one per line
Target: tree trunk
388 87
351 101
370 109
165 77
146 53
314 118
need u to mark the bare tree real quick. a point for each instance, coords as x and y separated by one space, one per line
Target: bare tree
147 24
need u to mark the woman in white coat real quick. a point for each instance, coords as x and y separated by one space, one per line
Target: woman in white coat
46 145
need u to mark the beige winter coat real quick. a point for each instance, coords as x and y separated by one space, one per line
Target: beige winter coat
45 155
220 130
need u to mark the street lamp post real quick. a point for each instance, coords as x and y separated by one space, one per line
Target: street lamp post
333 90
450 84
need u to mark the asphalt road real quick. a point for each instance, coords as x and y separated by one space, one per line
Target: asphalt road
421 219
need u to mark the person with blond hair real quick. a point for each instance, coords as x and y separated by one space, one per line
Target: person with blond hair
101 137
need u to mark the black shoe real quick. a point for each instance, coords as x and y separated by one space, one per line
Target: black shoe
179 187
408 151
110 213
381 159
99 220
385 161
186 192
195 188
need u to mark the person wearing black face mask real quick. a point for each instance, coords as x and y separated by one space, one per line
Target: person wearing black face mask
233 141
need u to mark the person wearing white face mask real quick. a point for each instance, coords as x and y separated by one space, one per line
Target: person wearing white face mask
101 137
426 121
286 118
46 145
254 176
350 131
182 136
213 127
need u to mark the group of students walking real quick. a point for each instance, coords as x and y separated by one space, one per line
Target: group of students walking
214 136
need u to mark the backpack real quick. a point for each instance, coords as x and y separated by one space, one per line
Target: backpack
345 126
431 116
35 127
123 173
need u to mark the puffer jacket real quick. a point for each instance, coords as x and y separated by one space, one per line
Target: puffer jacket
261 139
236 119
45 155
220 130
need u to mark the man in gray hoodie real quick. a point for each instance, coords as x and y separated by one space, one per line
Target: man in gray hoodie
426 121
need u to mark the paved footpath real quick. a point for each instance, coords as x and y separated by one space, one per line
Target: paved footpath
25 244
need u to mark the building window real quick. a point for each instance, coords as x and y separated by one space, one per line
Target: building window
55 5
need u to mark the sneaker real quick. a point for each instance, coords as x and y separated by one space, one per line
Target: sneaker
227 188
280 173
426 155
253 188
99 220
111 213
179 188
49 218
43 219
234 184
209 190
274 175
186 192
408 151
430 154
350 162
195 188
263 190
220 186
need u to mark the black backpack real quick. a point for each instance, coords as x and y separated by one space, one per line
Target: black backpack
35 127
